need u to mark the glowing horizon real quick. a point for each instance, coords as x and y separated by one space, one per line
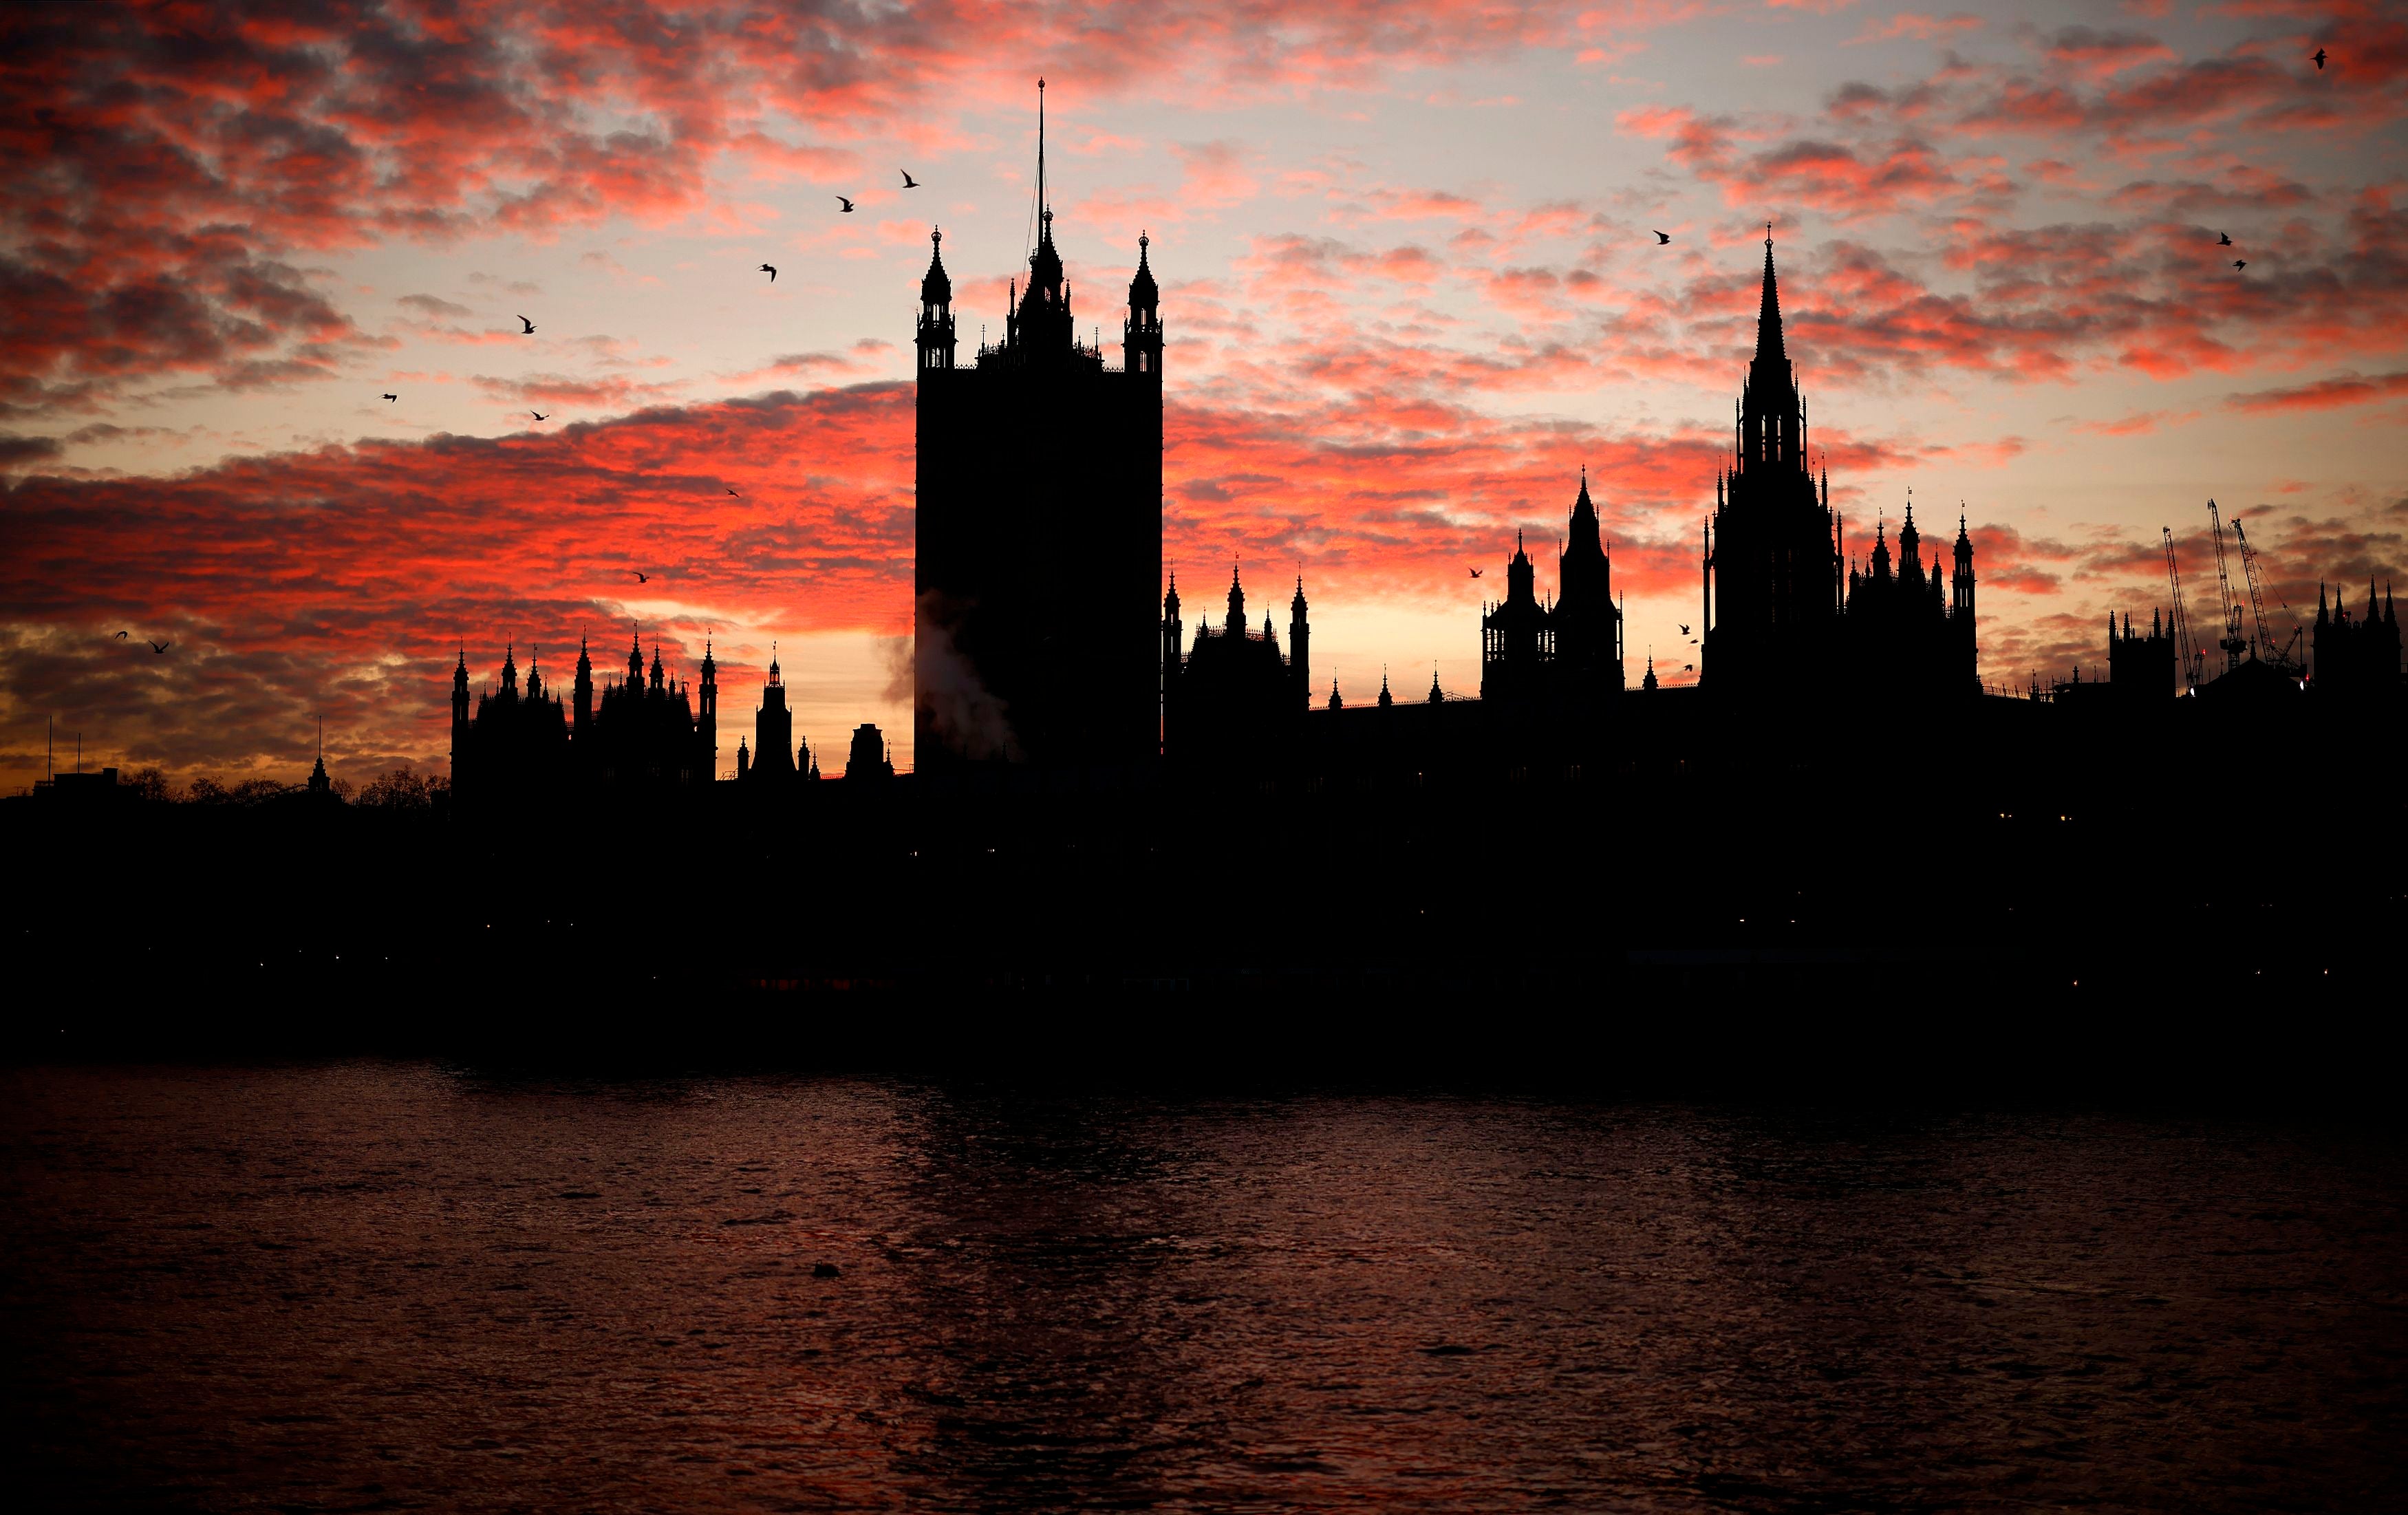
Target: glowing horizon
1412 283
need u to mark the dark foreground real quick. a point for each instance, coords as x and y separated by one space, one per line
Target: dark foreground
2119 880
376 1286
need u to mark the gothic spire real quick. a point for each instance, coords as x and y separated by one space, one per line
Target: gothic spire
1768 318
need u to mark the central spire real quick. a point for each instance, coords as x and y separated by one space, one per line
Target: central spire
1768 318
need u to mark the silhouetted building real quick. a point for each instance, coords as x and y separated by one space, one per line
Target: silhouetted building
515 741
1586 620
1561 652
2356 658
1039 536
642 733
774 759
1517 644
1781 620
1900 630
868 758
1232 694
2141 669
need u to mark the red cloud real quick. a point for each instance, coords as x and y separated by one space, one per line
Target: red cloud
2324 394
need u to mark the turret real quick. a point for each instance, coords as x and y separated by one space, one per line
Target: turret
1300 656
1962 602
1236 624
582 715
511 670
936 310
1142 339
635 663
1174 632
707 728
659 683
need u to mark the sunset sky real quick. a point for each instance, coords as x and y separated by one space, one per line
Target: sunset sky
1410 282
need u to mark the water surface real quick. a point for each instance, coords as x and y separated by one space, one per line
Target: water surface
399 1286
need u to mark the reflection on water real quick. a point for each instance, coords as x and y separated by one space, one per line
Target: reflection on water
378 1287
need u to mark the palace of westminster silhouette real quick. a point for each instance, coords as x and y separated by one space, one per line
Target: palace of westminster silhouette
1037 642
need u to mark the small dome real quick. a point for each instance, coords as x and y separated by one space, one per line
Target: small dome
1142 291
936 289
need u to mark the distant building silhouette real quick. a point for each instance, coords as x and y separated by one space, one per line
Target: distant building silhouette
2140 668
1780 619
1565 652
1517 642
644 732
868 758
1038 534
774 758
1898 629
1231 692
2356 658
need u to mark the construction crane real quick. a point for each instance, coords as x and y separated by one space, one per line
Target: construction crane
2190 659
2234 644
2266 651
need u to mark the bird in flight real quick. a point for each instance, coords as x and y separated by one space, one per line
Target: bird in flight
161 647
2320 60
1475 573
909 183
2224 239
732 491
528 324
392 397
1661 239
771 272
848 207
120 636
1688 667
2240 263
539 415
1684 631
641 577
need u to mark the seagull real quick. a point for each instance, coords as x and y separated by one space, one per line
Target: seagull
528 324
2224 239
539 415
1475 573
732 491
848 207
392 397
1661 239
2320 60
1688 667
2240 263
641 577
909 183
771 272
161 647
120 636
1684 631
